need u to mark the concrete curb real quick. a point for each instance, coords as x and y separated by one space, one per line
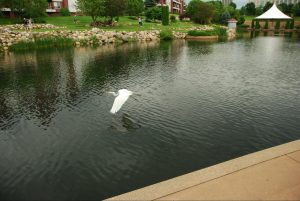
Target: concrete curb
180 183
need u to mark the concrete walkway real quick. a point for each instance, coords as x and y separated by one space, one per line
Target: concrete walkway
270 174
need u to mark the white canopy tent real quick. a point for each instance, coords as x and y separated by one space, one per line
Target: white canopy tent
273 14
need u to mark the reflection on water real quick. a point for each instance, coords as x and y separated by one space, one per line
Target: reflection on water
199 104
124 123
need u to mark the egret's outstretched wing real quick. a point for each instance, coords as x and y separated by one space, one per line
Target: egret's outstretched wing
119 101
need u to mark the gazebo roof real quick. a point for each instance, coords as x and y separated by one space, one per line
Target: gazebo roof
273 13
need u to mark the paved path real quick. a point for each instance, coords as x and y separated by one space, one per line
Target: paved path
270 174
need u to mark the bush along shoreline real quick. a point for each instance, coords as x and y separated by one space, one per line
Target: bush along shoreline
12 39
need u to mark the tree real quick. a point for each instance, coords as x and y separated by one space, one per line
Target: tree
165 15
150 3
296 9
243 10
225 17
267 6
114 8
35 8
26 8
250 8
219 10
259 10
93 8
284 8
232 5
15 5
154 13
135 7
200 12
233 12
290 7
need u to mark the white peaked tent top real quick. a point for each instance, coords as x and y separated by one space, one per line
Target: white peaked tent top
273 13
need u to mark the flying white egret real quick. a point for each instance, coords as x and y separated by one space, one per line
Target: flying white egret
121 98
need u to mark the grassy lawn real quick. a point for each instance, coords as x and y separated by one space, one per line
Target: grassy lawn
124 24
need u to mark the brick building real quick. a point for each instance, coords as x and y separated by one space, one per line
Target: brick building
175 6
54 6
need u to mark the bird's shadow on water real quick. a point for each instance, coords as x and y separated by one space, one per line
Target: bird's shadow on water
124 123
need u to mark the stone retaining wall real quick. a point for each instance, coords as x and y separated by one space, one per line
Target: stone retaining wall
11 34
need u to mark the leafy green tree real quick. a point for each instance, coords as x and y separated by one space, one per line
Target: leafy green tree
200 12
250 8
283 7
290 7
241 20
259 10
277 24
225 17
266 24
296 9
267 6
34 8
150 3
165 15
233 12
154 13
26 8
15 5
233 5
135 7
219 10
93 8
243 10
114 8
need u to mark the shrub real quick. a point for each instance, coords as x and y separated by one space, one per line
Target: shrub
41 43
183 16
252 24
245 26
200 12
221 32
225 17
241 20
64 12
202 33
132 18
165 15
257 25
154 13
287 24
277 25
292 24
266 25
39 20
166 35
173 18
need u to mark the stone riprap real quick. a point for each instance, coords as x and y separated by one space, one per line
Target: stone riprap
95 36
33 26
231 34
11 34
203 28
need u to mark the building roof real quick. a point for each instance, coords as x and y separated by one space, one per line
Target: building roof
232 20
273 13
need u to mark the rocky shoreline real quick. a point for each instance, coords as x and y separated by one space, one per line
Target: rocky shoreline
11 34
